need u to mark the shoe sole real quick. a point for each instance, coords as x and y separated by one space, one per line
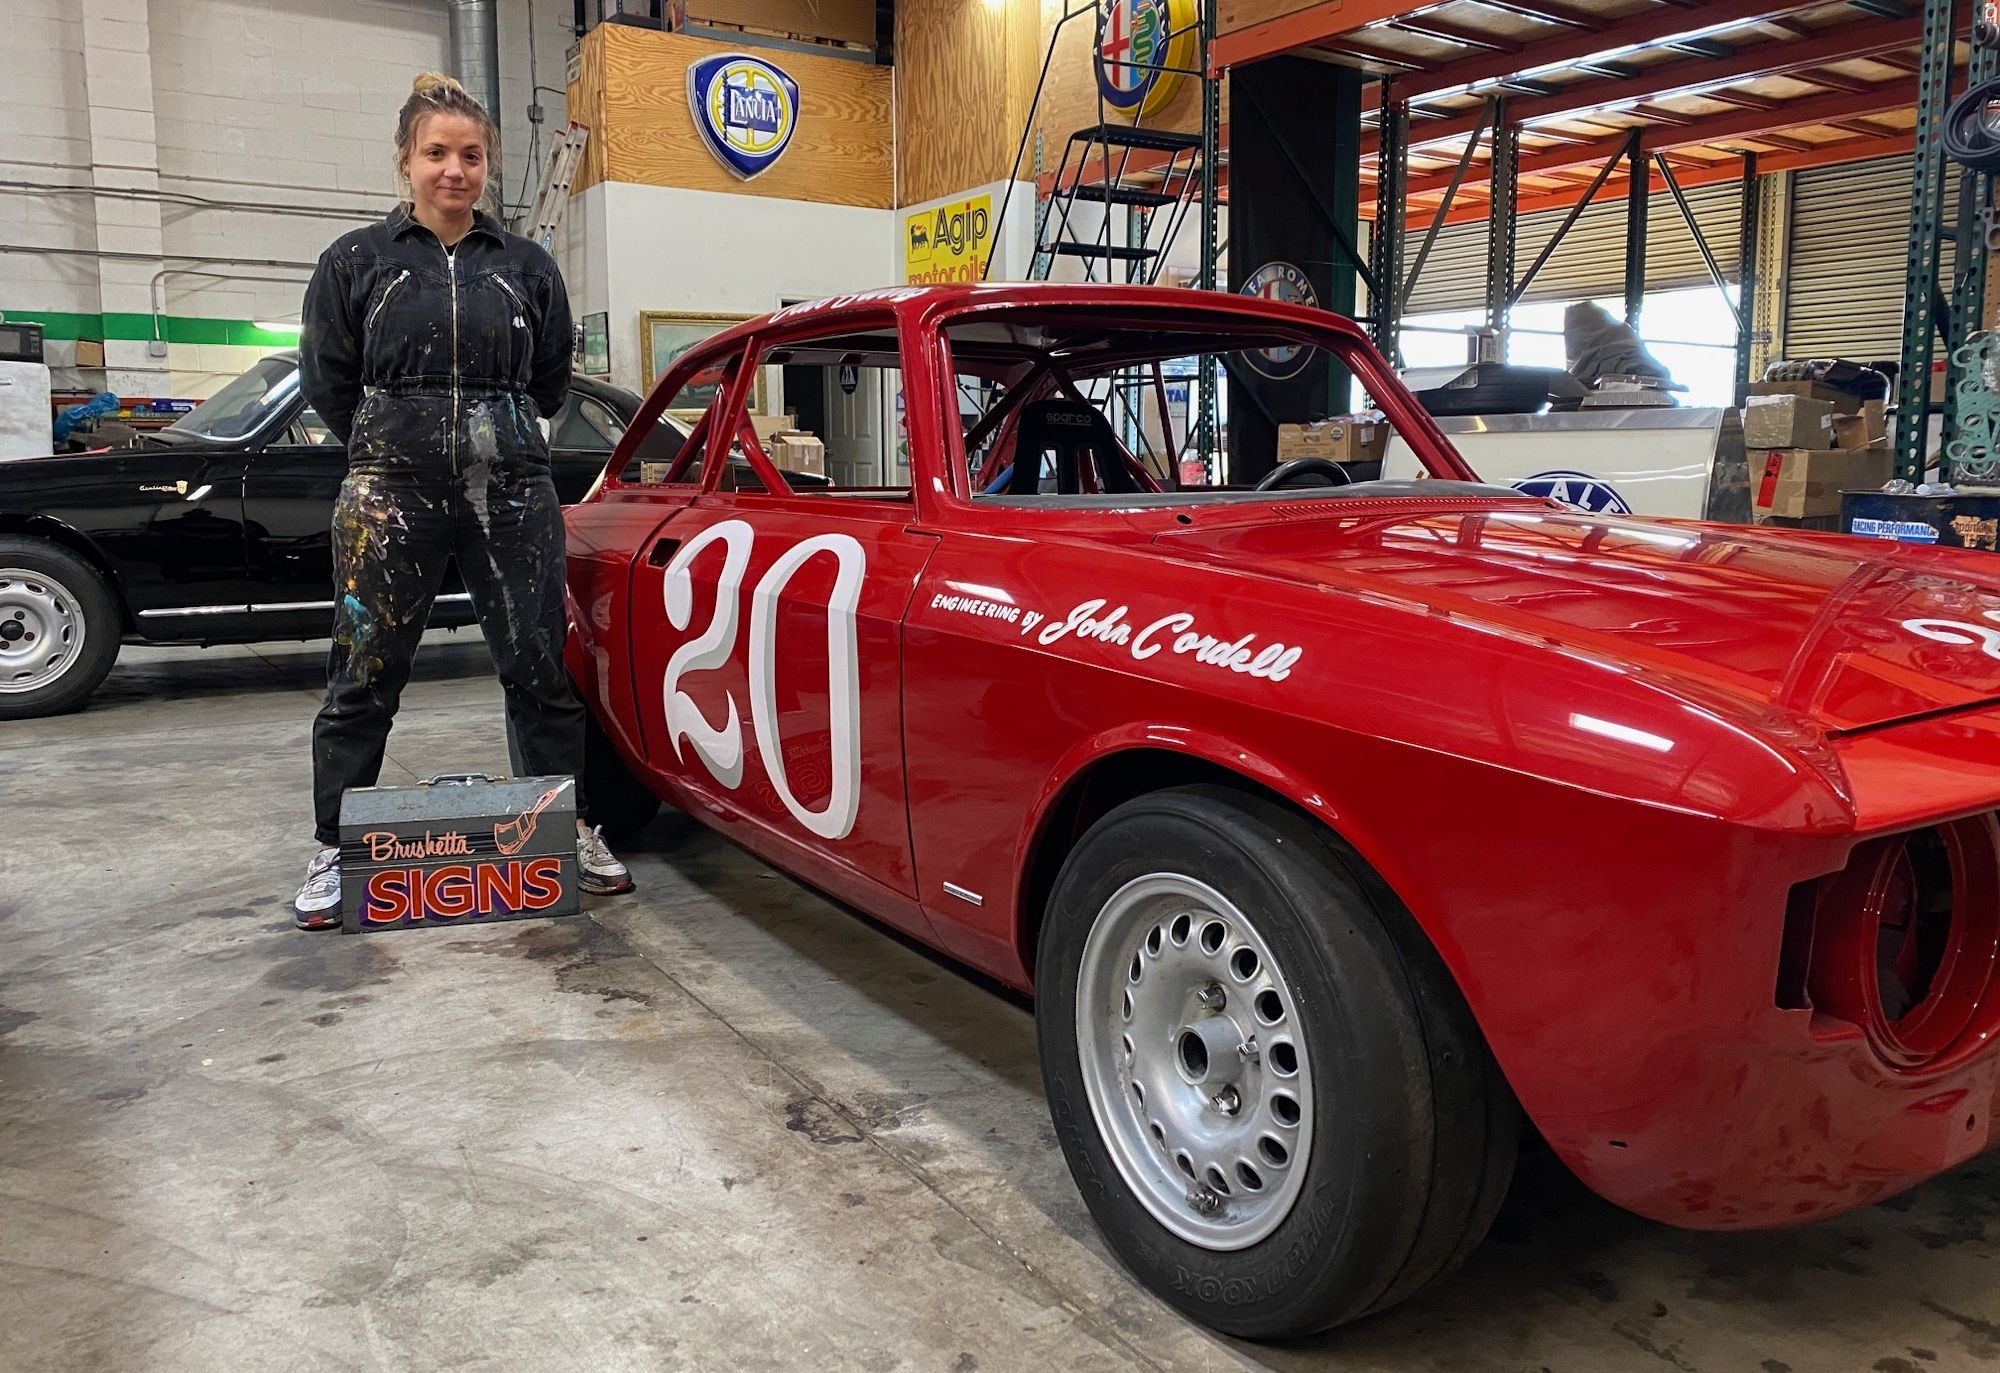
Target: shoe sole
592 887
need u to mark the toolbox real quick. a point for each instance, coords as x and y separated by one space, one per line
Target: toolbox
459 849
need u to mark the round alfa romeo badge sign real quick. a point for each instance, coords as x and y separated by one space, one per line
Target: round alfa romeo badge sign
1280 281
1138 42
1577 490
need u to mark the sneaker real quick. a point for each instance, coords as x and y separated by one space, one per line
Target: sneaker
318 903
598 872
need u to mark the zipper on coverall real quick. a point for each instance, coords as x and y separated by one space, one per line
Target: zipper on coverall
451 270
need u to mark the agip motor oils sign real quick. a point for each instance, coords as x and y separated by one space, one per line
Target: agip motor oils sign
950 243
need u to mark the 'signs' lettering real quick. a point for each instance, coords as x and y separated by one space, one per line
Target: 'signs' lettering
394 896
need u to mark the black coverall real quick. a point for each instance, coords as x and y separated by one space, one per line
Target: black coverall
432 365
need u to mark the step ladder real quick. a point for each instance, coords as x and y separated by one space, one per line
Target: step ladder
553 203
1117 166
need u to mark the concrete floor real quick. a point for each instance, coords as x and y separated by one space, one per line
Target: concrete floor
717 1124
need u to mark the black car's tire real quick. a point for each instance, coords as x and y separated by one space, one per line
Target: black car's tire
59 628
619 801
1405 1129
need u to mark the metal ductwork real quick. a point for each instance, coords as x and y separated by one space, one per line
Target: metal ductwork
475 61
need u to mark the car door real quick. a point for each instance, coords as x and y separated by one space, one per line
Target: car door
766 630
169 518
290 485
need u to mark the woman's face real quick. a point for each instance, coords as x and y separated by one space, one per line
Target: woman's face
447 163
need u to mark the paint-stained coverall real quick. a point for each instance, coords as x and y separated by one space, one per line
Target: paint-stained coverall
433 365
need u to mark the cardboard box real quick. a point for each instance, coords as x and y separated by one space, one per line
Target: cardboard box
1337 440
1844 402
1788 422
89 353
1797 482
794 450
843 21
767 425
1864 430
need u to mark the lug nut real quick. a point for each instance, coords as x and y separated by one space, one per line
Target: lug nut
1211 997
1204 1200
1247 1050
1226 1101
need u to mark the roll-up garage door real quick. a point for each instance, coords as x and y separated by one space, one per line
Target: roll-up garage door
1849 246
1590 261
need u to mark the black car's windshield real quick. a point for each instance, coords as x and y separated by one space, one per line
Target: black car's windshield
241 407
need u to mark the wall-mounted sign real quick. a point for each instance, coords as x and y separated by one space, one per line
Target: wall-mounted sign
1137 40
745 108
593 345
949 243
1280 281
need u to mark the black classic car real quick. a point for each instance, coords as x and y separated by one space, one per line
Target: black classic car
212 530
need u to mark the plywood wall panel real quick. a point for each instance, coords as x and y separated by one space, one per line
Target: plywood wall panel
959 110
643 132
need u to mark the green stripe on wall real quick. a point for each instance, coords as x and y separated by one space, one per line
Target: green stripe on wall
243 333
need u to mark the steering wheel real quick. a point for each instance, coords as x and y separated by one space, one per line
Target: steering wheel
1282 475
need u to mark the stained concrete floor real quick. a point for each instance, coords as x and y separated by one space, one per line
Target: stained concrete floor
718 1124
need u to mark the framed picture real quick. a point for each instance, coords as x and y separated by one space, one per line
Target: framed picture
593 345
666 334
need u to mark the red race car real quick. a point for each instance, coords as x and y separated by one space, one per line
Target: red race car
1334 826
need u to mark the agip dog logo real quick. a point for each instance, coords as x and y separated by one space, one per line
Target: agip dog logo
746 109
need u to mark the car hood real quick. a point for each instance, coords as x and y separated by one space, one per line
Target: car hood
1848 633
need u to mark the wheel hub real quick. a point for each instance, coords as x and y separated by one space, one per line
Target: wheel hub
1194 1061
41 629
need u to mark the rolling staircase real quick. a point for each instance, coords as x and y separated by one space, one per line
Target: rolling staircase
1119 167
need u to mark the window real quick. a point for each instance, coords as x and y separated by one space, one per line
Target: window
660 450
243 406
839 430
1090 407
1691 331
310 431
585 424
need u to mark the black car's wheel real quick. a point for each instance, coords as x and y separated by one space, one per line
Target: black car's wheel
619 801
59 629
1268 1088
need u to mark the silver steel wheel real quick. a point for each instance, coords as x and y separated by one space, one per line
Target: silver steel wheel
1194 1061
41 630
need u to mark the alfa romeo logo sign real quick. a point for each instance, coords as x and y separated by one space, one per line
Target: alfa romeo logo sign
1136 41
1280 281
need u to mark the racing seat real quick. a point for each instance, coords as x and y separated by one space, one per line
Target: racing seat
1074 432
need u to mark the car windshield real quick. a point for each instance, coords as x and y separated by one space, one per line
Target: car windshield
242 407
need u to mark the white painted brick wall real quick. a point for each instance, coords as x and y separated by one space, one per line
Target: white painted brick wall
250 102
44 120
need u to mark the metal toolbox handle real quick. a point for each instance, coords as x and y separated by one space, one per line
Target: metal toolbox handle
457 779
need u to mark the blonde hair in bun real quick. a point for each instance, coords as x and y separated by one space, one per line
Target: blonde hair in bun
432 93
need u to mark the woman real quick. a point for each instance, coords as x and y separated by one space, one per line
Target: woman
433 341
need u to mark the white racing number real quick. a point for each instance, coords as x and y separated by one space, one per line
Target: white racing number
721 749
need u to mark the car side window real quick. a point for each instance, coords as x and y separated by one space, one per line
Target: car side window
838 428
310 431
585 424
653 459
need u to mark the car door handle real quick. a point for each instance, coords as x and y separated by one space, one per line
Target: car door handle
663 552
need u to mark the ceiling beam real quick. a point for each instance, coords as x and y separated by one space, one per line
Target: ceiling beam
1649 28
1691 77
1548 14
1825 155
1715 128
1254 42
1427 27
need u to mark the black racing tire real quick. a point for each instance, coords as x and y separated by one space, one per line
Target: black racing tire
1413 1129
64 598
618 801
